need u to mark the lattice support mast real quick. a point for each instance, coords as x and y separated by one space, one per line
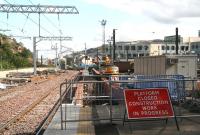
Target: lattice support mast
47 9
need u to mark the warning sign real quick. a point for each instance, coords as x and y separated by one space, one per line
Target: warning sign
148 103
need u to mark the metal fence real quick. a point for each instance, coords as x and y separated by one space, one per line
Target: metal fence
101 98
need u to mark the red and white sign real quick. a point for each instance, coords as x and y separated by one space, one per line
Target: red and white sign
148 103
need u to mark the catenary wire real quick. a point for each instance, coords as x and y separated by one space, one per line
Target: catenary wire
33 21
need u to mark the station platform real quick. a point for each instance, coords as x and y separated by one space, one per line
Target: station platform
73 128
188 126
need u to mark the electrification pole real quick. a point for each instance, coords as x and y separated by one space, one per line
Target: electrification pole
34 56
176 41
114 45
56 49
41 39
85 56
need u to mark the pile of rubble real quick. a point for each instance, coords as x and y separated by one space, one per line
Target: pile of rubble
20 78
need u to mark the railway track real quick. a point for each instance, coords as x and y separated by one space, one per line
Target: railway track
22 113
41 128
27 120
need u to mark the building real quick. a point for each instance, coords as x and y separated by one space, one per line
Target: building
127 51
172 39
168 46
193 43
163 48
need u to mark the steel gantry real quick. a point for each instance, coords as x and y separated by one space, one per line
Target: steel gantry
49 9
40 9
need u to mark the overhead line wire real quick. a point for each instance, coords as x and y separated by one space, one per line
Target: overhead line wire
47 18
33 21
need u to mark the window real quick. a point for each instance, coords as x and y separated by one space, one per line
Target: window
186 48
172 47
163 48
134 55
126 47
139 47
129 56
141 54
132 47
146 47
167 47
121 56
182 48
192 47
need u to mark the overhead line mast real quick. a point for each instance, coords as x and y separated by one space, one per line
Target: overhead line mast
45 39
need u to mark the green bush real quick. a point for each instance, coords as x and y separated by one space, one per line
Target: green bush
10 58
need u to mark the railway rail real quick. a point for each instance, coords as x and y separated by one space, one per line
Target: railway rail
37 113
25 111
41 127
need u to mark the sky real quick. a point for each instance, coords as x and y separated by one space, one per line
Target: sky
133 19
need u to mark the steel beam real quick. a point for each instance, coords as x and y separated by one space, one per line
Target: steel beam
47 9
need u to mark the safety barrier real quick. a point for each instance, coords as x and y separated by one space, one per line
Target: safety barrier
101 98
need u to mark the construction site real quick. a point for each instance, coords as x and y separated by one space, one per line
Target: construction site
55 84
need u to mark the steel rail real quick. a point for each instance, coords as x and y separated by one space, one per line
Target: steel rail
25 111
50 115
48 118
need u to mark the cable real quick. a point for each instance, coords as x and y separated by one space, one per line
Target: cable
7 21
59 25
46 17
33 21
11 25
25 23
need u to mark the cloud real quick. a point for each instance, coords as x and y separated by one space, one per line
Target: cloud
127 31
163 11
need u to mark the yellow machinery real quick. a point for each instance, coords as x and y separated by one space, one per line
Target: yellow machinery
107 67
